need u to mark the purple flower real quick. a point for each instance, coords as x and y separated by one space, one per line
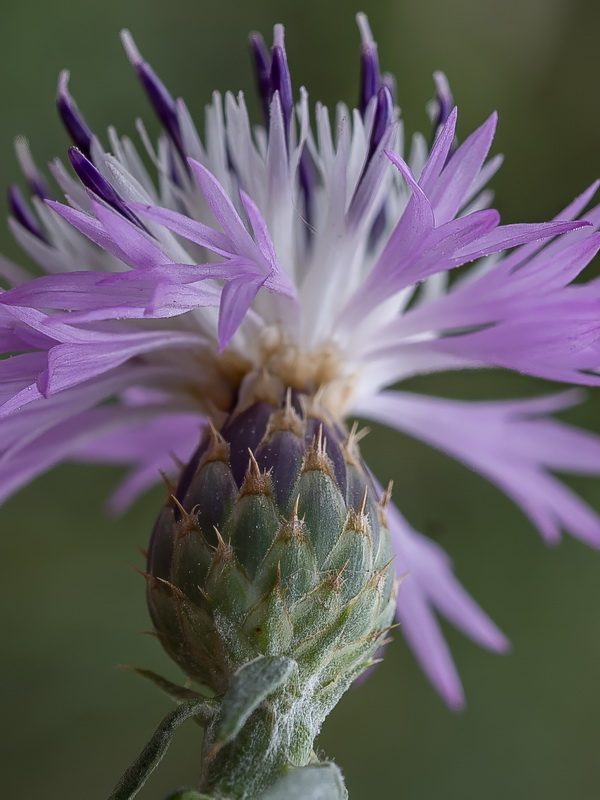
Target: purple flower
312 251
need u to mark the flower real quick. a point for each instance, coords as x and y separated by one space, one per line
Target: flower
309 252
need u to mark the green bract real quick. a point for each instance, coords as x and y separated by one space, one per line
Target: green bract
269 580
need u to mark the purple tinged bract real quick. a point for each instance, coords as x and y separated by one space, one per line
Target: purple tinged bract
322 256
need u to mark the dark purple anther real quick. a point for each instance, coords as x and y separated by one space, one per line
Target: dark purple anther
23 214
93 180
307 172
157 93
39 186
75 124
383 119
378 228
262 66
370 77
280 76
445 101
35 179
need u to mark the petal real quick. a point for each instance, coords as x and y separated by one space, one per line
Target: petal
236 299
511 446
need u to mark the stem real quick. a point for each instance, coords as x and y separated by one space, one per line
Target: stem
273 741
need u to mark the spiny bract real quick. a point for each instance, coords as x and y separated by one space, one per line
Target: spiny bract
274 543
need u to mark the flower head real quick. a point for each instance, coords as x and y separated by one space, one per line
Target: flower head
312 254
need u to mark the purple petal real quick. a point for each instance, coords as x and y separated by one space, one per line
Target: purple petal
189 228
439 153
510 445
236 299
70 364
223 209
506 236
448 194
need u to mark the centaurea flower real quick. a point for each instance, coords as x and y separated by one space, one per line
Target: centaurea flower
308 255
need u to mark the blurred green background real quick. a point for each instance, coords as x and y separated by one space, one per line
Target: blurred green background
71 608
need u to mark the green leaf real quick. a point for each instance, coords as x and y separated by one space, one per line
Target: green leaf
250 685
138 773
315 782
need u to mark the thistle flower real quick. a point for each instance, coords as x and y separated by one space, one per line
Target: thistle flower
309 255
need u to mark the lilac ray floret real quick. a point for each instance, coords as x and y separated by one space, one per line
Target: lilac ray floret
73 363
243 244
513 444
189 228
88 296
236 299
149 446
448 194
418 247
439 153
431 586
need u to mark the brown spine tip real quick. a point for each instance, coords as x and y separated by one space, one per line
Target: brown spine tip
350 446
293 528
255 481
217 450
378 578
187 522
383 504
336 578
286 419
296 508
316 457
175 590
358 521
170 486
146 575
363 502
223 550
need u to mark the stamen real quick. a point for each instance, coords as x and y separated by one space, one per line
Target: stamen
23 214
35 179
280 75
383 119
158 94
262 67
74 122
370 77
93 180
444 99
307 173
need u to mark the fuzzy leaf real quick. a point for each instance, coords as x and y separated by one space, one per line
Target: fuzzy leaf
250 685
315 782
